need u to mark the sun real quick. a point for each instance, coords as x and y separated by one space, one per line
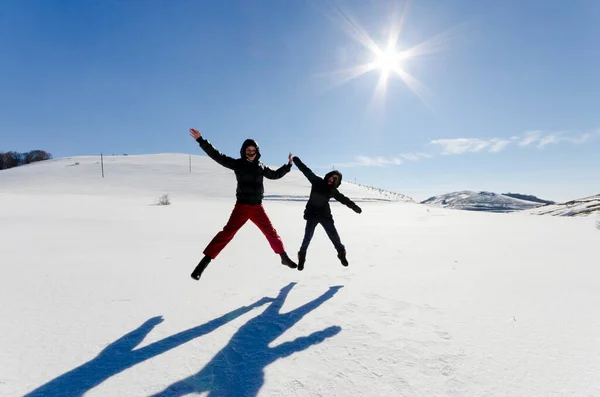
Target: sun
388 60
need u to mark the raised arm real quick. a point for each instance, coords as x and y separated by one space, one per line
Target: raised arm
280 172
213 153
305 170
346 201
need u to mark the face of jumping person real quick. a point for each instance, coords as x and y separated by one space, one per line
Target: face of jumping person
333 179
251 153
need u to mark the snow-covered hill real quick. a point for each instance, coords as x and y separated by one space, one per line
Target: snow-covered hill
580 207
480 201
153 175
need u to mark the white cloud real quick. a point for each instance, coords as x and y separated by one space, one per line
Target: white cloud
475 145
586 137
378 161
495 145
583 138
414 156
542 140
364 161
382 161
548 139
528 138
461 145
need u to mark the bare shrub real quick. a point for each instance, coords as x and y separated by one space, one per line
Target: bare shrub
163 200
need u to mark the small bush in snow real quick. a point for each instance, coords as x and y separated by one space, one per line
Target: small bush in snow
164 200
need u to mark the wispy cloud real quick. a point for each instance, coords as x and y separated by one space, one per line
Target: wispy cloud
499 145
495 145
378 161
382 161
557 138
460 145
541 140
415 156
528 138
365 161
455 146
466 145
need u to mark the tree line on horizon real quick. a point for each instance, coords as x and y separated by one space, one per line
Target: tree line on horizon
14 159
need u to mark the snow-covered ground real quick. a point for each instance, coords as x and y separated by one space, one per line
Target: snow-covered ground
97 299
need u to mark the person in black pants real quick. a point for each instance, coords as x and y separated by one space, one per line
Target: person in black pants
318 211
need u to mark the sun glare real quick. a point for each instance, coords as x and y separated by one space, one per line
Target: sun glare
387 59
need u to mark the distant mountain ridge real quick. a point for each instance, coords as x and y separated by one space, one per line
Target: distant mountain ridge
511 202
528 197
484 201
580 207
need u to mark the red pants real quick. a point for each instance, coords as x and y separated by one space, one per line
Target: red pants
241 213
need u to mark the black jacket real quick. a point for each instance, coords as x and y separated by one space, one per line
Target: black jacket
321 192
249 174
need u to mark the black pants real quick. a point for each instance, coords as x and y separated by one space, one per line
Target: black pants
330 229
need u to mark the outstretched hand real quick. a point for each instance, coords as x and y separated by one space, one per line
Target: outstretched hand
357 209
195 133
290 158
154 321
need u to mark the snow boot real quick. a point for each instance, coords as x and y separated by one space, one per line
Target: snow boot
200 268
301 260
285 260
342 257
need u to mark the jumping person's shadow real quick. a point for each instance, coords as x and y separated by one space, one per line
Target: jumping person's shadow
120 355
238 369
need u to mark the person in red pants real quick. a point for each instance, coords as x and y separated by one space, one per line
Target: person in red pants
249 172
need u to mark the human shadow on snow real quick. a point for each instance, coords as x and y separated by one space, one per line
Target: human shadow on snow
120 355
238 369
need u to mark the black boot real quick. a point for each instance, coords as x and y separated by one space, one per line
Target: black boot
301 260
200 268
342 257
285 260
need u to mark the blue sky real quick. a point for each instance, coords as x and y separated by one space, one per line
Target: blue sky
503 97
